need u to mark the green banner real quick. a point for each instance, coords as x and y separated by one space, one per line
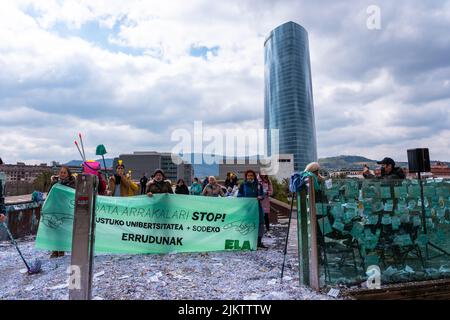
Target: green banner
164 223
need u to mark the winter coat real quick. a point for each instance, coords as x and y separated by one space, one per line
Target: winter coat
196 189
249 189
205 183
396 174
163 186
69 182
101 185
213 190
231 182
183 189
143 181
254 189
268 191
127 187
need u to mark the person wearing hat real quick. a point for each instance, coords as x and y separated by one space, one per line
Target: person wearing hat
121 185
390 171
158 184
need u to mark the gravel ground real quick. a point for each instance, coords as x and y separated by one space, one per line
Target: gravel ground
247 275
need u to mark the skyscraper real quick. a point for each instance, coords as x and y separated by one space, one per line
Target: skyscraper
288 101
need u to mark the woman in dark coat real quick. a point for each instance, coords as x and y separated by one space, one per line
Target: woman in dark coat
251 188
181 187
65 178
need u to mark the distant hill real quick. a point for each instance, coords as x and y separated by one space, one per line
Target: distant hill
355 162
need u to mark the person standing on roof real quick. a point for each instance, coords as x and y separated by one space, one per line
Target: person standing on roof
158 184
120 185
143 183
251 188
390 171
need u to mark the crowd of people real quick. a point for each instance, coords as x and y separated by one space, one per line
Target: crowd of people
253 185
120 184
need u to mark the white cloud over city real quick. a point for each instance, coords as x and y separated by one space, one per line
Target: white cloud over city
128 73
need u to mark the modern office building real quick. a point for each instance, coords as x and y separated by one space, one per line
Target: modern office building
288 101
147 162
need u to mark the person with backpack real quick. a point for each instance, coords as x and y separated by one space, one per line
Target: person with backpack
251 188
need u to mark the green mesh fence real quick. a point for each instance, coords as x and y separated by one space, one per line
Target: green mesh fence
383 223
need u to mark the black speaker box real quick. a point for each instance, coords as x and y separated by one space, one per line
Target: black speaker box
419 160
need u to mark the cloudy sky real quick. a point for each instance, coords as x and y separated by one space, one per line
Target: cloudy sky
128 73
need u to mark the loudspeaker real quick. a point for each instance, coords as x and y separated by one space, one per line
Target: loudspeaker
419 160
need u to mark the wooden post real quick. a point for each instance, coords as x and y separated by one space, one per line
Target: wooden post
302 236
83 237
314 273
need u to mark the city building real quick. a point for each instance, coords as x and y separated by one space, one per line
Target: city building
440 170
285 167
19 177
22 172
288 101
145 162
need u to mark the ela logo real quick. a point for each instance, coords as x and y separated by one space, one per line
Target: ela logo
235 245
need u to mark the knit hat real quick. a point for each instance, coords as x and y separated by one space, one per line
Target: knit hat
159 171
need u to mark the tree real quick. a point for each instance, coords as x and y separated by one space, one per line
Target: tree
42 182
280 190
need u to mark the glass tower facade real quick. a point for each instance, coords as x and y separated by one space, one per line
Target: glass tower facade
288 101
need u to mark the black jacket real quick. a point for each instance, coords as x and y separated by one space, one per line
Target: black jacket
396 174
143 181
183 189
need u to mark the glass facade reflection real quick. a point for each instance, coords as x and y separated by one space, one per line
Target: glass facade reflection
288 103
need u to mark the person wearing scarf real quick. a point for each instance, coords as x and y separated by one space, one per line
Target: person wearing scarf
251 188
65 178
121 185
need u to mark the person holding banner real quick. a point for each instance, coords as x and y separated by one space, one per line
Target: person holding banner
196 188
65 178
251 188
181 187
121 185
159 184
213 189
